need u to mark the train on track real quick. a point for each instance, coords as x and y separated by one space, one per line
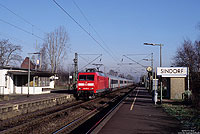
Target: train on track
93 82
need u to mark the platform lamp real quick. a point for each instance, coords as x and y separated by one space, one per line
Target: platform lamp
160 65
29 70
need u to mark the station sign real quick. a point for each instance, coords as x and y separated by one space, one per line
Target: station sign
172 71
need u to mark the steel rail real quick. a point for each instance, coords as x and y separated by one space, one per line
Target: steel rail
39 120
93 112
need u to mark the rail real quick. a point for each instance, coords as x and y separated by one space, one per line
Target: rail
70 126
71 116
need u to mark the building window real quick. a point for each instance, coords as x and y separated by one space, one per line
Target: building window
44 81
22 80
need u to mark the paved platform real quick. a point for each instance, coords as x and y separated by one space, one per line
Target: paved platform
21 104
138 114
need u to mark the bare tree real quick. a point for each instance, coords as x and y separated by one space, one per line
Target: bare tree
9 53
55 47
44 60
130 77
186 56
121 75
112 72
197 53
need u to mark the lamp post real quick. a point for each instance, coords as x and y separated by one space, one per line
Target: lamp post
29 70
160 65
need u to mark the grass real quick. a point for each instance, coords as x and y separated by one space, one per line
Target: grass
187 115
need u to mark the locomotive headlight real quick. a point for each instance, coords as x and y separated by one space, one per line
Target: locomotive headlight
90 84
80 84
91 88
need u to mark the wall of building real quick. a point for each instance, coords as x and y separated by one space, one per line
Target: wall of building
25 64
52 83
7 85
33 90
11 89
2 81
177 87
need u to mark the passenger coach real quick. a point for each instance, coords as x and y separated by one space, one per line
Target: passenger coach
93 82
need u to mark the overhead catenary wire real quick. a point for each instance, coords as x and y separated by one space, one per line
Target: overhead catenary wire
84 16
28 22
80 55
13 38
137 62
19 28
20 17
147 55
83 28
90 62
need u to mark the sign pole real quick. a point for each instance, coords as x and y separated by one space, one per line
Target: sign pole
188 80
155 88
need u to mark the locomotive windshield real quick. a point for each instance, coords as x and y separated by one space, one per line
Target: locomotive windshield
86 77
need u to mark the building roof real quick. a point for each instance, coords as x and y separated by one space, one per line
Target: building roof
22 71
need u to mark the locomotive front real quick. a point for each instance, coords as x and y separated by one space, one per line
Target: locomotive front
86 85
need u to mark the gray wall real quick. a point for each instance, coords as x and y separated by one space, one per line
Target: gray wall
177 87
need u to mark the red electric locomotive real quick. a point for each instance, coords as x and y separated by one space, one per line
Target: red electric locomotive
91 82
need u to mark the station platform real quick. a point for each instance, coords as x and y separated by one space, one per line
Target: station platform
14 105
138 114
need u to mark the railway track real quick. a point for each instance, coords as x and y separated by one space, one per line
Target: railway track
60 119
92 119
9 123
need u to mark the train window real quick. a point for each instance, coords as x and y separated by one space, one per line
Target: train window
114 81
82 77
90 77
101 74
86 77
121 82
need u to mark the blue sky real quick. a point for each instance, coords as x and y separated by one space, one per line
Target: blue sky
124 25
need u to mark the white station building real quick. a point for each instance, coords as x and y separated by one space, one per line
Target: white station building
15 81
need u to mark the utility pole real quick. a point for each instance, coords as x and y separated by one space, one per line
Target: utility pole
152 70
29 71
160 45
75 70
161 86
28 75
188 79
40 61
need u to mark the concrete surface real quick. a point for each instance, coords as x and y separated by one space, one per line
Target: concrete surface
138 114
22 104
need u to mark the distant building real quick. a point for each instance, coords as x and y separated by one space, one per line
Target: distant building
15 80
25 63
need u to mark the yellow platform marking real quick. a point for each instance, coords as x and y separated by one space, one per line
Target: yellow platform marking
134 101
